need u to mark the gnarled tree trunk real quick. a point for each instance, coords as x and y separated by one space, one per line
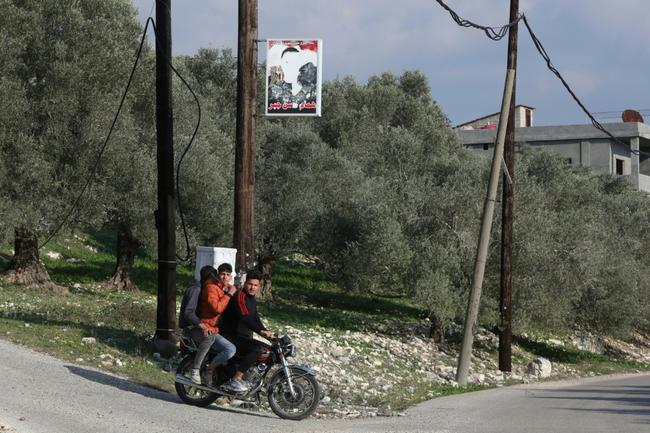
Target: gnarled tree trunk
127 246
265 267
437 330
25 266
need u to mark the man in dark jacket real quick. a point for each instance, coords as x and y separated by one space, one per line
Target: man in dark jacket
240 320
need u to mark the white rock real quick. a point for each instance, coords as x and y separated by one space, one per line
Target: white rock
88 340
540 367
54 255
478 378
588 343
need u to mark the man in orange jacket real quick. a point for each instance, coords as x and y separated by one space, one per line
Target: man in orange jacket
215 296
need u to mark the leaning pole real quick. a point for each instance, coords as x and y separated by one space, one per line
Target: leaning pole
484 237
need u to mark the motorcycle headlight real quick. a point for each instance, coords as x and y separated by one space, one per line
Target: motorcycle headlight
290 351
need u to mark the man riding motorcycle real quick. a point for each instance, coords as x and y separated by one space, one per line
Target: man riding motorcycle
216 292
240 320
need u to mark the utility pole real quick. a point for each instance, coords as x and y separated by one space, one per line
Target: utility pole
484 237
505 303
166 313
244 233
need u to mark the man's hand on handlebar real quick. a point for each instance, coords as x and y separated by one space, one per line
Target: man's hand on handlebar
266 333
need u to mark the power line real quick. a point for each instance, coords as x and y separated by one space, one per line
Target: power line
180 161
150 20
494 33
549 64
110 131
497 33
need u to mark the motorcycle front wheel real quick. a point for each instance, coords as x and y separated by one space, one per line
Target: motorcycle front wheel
304 400
190 394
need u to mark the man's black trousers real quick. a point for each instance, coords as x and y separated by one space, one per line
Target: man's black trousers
248 350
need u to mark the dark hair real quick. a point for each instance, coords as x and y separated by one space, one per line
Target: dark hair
224 267
206 272
289 50
253 275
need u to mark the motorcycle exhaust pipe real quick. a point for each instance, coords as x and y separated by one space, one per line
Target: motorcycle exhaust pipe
179 378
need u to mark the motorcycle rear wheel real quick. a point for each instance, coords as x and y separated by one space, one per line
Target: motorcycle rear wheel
190 394
299 406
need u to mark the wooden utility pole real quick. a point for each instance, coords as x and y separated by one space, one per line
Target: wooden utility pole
484 238
244 234
166 313
505 304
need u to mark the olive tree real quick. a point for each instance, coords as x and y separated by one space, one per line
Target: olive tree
65 57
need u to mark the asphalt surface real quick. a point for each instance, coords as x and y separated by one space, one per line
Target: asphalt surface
39 393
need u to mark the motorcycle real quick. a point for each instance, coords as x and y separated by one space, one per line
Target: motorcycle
291 389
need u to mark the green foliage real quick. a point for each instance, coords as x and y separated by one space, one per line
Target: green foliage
65 58
378 189
579 256
207 171
398 211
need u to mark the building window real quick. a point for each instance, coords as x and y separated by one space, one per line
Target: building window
620 165
569 161
529 119
486 146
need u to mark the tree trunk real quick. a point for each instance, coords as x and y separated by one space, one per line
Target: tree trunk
25 267
437 330
127 246
265 266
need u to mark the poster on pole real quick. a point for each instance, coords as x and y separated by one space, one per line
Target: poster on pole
293 77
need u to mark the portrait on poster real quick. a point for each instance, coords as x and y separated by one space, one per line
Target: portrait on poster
293 77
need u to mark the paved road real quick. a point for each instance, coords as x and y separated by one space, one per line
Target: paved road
53 396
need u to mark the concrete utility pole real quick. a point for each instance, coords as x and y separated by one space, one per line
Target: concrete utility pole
166 313
244 234
505 303
484 238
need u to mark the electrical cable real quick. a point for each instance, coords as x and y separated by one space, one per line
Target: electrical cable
497 33
542 51
187 148
494 33
150 20
108 136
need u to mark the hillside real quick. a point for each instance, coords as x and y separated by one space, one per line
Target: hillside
371 355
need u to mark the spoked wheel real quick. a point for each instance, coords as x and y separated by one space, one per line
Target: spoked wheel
190 394
301 403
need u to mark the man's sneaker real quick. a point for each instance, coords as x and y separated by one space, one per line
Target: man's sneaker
236 385
195 376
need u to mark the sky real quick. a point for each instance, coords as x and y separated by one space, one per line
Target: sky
601 47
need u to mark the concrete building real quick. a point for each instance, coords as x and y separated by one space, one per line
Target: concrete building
523 119
581 145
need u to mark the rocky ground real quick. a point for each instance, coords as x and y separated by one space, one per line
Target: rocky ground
366 374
